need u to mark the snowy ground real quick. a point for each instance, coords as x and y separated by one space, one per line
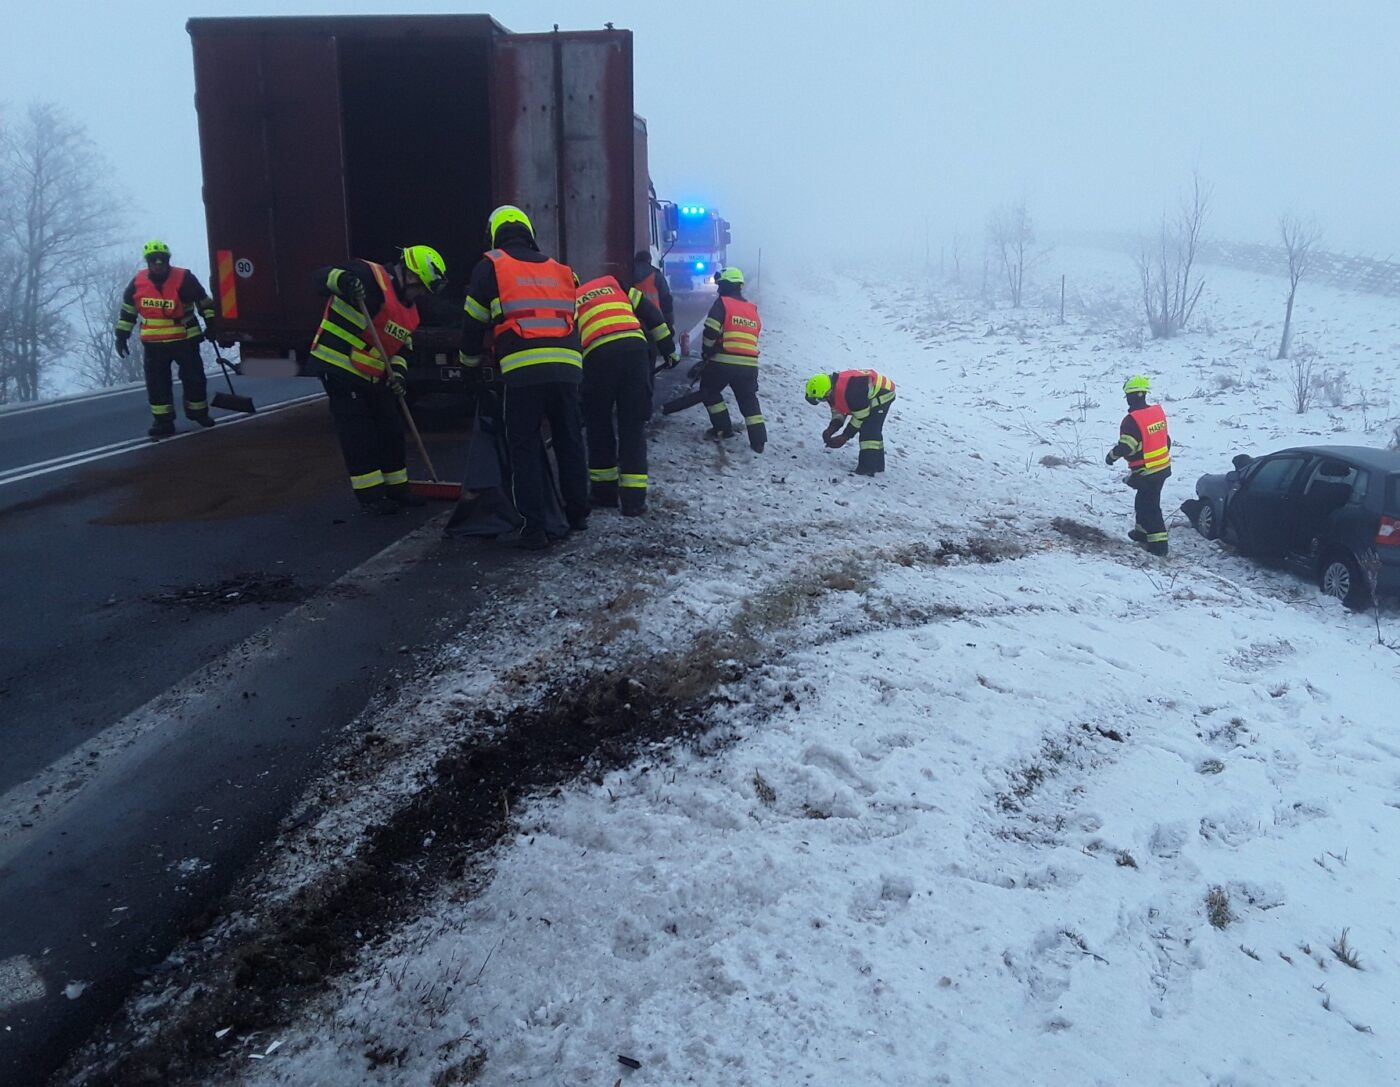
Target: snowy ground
998 799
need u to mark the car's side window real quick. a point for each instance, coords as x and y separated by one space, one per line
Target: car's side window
1275 476
1337 482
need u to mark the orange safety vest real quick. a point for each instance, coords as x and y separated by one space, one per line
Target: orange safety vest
342 341
605 314
1155 454
879 386
537 297
160 309
647 285
738 332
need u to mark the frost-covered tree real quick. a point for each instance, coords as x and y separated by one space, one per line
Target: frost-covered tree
1011 237
1166 264
1300 240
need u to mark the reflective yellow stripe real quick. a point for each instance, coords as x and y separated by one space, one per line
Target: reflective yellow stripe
715 409
602 475
872 445
1156 537
346 335
710 322
734 360
539 356
369 479
476 310
197 405
629 334
753 420
634 480
125 326
351 313
660 332
162 409
1132 444
393 479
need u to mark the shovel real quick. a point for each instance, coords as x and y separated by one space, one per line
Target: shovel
435 488
231 401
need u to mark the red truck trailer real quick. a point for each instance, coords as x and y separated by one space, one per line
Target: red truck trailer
325 138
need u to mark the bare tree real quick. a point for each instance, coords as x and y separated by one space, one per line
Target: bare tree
1300 239
55 213
99 301
1011 235
1166 264
959 248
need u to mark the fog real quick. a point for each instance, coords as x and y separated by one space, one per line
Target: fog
874 128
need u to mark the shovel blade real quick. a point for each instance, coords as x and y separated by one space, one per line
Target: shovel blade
232 402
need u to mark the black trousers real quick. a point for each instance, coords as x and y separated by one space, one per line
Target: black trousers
714 379
615 382
369 425
160 386
872 441
1147 506
525 408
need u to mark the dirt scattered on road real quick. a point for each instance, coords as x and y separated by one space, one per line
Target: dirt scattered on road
233 592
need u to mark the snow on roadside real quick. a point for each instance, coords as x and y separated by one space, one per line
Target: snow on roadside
1004 803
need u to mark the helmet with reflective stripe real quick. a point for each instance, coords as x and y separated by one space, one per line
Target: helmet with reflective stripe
427 264
818 388
731 275
1136 384
507 213
155 246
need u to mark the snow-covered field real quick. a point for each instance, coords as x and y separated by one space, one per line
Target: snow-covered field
1000 799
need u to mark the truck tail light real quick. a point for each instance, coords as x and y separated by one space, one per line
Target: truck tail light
1388 532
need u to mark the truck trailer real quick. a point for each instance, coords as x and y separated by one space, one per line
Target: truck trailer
327 138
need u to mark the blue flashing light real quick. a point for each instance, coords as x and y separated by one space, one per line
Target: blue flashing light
699 265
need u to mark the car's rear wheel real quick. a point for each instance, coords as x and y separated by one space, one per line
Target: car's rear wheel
1341 577
1205 521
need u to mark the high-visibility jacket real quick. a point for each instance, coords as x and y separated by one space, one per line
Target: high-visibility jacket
343 340
535 303
732 330
605 314
165 317
647 285
1149 452
859 392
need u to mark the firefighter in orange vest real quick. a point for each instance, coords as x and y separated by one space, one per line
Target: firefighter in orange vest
361 388
166 299
616 368
527 302
859 399
1144 440
729 357
652 283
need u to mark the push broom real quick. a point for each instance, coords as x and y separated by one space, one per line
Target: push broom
434 488
231 401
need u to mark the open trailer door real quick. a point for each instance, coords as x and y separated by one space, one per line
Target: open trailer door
269 110
563 143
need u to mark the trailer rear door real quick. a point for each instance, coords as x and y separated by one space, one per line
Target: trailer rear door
274 194
563 143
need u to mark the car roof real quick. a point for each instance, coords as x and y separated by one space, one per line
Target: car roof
1380 460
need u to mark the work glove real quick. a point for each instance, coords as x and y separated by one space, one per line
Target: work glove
122 349
351 288
674 359
397 385
1109 458
832 428
836 441
210 334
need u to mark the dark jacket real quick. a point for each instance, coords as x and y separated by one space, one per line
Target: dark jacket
667 302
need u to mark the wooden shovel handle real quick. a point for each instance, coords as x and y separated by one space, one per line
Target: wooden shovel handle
407 415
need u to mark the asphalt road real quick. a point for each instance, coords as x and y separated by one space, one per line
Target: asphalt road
189 626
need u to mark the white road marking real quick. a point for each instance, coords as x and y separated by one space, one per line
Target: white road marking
85 456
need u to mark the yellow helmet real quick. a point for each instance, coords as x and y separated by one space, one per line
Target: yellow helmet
731 275
427 264
818 388
507 213
1136 384
154 247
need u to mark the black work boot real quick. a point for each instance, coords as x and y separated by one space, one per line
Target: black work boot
603 494
403 495
162 426
634 501
203 418
525 538
1137 535
578 522
376 501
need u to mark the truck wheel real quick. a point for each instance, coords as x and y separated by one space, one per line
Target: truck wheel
1341 577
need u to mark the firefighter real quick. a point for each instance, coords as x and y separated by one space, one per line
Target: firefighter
616 372
859 399
166 299
647 279
729 357
526 300
361 389
1144 440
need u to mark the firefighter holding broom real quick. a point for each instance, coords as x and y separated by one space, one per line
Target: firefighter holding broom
361 386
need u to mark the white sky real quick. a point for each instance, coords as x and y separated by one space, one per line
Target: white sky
862 126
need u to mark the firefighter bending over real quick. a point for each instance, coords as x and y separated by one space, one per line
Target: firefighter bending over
361 388
527 302
1144 440
165 299
616 376
729 358
860 400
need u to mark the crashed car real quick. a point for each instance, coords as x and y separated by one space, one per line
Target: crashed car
1332 512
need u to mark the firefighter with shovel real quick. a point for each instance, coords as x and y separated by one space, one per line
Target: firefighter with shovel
859 400
366 304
